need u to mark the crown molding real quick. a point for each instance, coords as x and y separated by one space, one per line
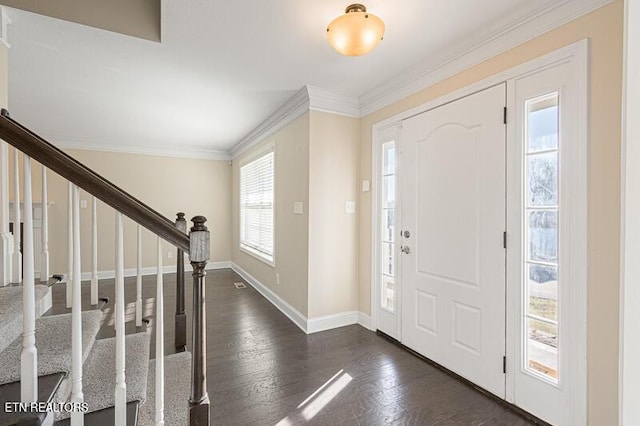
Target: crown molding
297 105
309 98
334 103
190 152
426 74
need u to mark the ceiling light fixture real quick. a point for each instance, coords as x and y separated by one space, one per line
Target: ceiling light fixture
356 32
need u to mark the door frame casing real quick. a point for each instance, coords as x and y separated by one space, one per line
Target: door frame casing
578 52
629 371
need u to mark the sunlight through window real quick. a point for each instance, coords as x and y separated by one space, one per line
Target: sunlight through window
320 389
325 397
318 399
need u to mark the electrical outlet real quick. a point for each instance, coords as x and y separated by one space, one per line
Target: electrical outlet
169 254
277 278
83 204
350 207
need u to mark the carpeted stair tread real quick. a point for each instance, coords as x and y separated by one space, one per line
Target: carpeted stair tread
11 312
53 341
99 371
177 385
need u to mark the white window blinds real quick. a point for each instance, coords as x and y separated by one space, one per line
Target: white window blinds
256 206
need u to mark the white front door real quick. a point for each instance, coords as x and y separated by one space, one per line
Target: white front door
452 191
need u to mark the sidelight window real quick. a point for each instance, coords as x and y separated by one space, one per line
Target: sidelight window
388 229
541 261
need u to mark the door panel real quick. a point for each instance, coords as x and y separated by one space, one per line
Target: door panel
453 203
547 260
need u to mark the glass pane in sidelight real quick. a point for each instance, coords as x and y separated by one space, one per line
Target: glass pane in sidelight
542 349
388 158
388 191
387 259
388 293
542 172
542 123
543 236
543 291
388 225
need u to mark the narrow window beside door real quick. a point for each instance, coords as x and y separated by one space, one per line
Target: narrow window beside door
541 262
388 231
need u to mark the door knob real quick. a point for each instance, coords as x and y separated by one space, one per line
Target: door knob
405 249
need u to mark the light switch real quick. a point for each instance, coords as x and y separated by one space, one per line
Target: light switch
83 204
297 207
366 185
350 207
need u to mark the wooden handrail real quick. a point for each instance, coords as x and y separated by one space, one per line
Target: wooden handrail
66 166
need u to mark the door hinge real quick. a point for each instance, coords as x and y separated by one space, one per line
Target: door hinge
504 115
504 239
504 364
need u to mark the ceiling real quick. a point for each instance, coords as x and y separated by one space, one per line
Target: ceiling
221 68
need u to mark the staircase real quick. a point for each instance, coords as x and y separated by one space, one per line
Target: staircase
59 360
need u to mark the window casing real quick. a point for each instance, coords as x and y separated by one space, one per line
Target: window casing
257 178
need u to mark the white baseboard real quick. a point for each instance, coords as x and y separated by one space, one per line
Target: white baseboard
308 325
365 321
291 312
327 322
149 270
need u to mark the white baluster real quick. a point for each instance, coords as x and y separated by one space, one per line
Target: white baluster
139 281
121 386
29 356
77 395
94 251
159 340
44 264
17 255
6 240
69 244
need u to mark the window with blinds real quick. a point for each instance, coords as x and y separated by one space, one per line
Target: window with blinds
256 206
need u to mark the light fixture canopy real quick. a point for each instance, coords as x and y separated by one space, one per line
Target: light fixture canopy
356 32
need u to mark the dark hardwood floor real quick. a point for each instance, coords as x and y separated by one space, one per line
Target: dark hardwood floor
263 370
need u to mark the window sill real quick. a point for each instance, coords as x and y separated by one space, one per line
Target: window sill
261 257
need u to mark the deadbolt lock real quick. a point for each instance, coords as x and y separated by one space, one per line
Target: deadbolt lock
406 234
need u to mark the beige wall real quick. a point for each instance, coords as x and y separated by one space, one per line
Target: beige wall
604 28
165 184
291 237
333 234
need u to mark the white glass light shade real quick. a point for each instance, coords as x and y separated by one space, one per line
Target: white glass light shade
356 32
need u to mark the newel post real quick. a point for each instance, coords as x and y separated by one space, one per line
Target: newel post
198 256
181 315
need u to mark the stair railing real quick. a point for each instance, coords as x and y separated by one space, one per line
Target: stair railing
195 243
